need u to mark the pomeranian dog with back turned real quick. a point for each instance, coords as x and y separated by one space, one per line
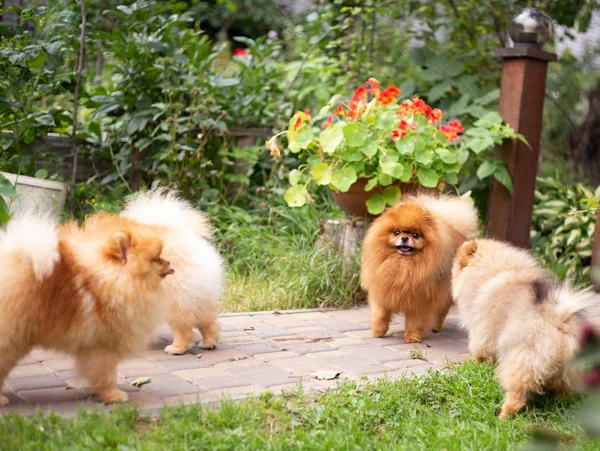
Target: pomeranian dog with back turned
94 292
195 289
521 316
407 260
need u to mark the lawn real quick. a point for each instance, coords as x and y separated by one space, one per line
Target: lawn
453 411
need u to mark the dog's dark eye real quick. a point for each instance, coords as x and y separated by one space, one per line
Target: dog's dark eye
416 236
396 232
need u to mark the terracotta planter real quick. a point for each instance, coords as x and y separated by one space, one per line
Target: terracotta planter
353 202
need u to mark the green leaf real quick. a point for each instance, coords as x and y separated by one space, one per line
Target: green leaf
292 138
405 146
376 204
353 154
7 189
458 107
321 173
407 87
305 136
44 119
370 147
384 179
445 155
136 123
490 97
372 183
463 156
386 120
141 380
355 135
493 117
451 177
424 156
331 138
429 178
294 176
390 165
342 180
437 91
392 195
41 174
486 169
296 196
501 174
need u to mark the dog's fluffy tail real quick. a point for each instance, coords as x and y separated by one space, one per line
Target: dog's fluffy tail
164 208
568 301
456 212
35 237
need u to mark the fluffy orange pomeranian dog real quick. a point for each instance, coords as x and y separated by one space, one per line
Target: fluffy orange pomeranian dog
94 292
407 261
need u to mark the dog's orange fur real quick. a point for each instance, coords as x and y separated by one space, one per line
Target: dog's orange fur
100 303
417 285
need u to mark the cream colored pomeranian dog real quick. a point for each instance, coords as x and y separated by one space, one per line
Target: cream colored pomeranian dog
195 288
95 292
520 315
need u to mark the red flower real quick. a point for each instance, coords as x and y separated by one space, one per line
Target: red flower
419 106
241 52
389 95
372 86
449 132
358 103
404 109
339 110
434 116
403 124
397 134
328 123
307 113
297 124
456 126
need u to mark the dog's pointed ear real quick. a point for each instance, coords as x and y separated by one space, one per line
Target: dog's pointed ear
466 253
118 247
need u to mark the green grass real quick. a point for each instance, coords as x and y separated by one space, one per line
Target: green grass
454 411
273 261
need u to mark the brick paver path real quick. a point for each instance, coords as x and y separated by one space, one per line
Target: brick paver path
257 352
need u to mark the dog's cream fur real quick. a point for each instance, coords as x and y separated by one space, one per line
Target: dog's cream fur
520 315
95 292
195 288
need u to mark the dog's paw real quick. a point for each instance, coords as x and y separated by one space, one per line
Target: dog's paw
412 339
113 396
436 330
208 346
174 350
3 400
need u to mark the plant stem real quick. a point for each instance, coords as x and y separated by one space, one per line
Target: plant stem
74 151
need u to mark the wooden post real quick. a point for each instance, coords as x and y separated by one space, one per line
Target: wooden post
521 106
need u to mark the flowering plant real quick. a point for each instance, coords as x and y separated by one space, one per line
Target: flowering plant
375 136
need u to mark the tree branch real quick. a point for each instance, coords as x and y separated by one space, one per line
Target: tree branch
74 150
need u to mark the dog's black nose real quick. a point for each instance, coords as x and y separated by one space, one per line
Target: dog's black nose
405 239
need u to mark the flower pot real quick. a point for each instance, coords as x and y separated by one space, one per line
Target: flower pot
353 202
38 194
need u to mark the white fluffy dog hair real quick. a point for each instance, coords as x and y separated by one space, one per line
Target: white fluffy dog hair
197 284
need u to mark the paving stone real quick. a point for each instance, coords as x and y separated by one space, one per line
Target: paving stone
349 359
282 341
305 348
303 363
362 369
159 354
402 364
34 382
172 386
245 339
242 320
267 332
265 376
269 357
225 355
263 348
142 372
339 325
234 392
304 386
286 321
225 327
27 360
388 340
442 357
142 398
18 408
407 347
327 354
362 334
183 363
352 315
59 364
379 354
28 370
200 373
135 364
220 383
321 334
40 354
344 342
227 366
43 396
388 376
311 316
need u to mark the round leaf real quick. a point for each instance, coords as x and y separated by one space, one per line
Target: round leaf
322 174
342 180
355 135
305 136
486 169
331 138
429 178
296 196
445 155
294 176
392 195
376 204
